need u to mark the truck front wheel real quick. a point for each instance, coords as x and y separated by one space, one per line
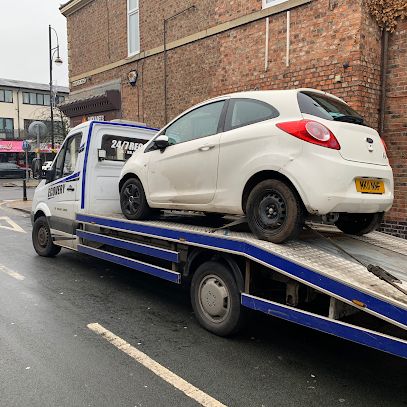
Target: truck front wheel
42 239
215 299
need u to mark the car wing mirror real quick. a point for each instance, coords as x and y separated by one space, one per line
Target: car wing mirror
162 142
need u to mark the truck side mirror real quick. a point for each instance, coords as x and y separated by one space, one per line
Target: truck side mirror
36 168
49 175
161 142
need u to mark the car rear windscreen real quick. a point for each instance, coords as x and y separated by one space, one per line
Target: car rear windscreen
327 107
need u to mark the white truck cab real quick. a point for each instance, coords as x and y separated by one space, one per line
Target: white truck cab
85 175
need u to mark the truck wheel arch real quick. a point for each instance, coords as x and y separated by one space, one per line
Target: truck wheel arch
200 256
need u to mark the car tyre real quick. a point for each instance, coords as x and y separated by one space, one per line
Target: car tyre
359 223
133 200
42 239
274 211
215 299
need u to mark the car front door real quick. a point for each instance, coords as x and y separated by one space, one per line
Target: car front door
62 189
186 171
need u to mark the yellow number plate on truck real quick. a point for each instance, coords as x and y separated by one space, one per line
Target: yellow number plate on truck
369 186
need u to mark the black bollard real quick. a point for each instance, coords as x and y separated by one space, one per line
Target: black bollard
24 190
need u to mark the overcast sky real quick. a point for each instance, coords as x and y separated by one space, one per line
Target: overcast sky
24 40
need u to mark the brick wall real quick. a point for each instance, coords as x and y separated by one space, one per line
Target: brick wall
395 130
325 34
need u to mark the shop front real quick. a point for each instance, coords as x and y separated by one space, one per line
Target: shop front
11 151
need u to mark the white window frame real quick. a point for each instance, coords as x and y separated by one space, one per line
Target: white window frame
130 13
273 3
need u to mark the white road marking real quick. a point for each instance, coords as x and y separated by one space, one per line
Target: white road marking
161 371
11 273
12 225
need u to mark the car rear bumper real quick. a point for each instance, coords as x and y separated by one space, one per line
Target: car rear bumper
326 183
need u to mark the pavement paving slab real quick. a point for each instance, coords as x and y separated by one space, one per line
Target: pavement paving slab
20 205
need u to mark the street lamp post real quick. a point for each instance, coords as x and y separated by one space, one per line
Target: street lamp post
58 61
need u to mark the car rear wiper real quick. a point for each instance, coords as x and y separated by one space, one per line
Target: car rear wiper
349 119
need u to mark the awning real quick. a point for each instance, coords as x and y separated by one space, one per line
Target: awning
16 146
103 102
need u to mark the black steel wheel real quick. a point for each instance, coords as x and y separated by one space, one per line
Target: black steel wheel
359 223
215 299
42 239
274 211
133 200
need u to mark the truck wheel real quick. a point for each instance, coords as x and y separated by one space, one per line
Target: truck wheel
359 223
42 240
274 211
215 299
133 200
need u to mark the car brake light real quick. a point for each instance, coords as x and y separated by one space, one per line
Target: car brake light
312 132
384 144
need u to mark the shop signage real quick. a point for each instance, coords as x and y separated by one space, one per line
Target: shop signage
79 82
16 146
99 118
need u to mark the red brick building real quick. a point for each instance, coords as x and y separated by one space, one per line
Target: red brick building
212 47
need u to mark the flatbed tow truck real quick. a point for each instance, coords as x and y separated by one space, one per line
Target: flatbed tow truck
349 286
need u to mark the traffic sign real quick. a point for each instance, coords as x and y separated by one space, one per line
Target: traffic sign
26 145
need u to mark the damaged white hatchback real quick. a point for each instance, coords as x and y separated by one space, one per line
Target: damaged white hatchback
275 156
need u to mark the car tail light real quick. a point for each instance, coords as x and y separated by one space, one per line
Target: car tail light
384 144
312 132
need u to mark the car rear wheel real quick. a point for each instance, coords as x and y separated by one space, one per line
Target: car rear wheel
274 211
359 223
42 239
133 200
215 299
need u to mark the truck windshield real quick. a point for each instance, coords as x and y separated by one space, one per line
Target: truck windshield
327 107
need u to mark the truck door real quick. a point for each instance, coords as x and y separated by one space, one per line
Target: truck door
63 189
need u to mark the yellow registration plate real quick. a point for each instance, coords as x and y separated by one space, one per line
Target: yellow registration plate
369 186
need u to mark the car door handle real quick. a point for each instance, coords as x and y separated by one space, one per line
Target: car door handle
206 147
70 188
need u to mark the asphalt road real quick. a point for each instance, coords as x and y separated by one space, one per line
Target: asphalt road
7 191
49 357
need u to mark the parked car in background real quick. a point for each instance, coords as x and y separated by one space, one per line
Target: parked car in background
275 156
10 170
47 165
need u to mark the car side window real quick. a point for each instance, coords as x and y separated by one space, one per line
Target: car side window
242 112
200 122
68 156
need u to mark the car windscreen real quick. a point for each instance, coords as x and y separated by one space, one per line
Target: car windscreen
327 107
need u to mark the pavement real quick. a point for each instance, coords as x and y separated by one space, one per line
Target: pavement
52 355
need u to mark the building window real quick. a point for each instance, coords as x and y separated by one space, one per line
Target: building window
6 96
133 27
40 99
269 3
6 128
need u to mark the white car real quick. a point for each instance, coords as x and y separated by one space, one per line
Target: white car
47 165
276 156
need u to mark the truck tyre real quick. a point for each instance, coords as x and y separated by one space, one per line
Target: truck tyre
274 211
215 299
359 223
133 200
42 239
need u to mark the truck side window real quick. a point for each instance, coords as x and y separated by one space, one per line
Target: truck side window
68 156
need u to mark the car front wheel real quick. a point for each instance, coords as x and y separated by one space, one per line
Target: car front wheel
133 200
274 211
359 223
